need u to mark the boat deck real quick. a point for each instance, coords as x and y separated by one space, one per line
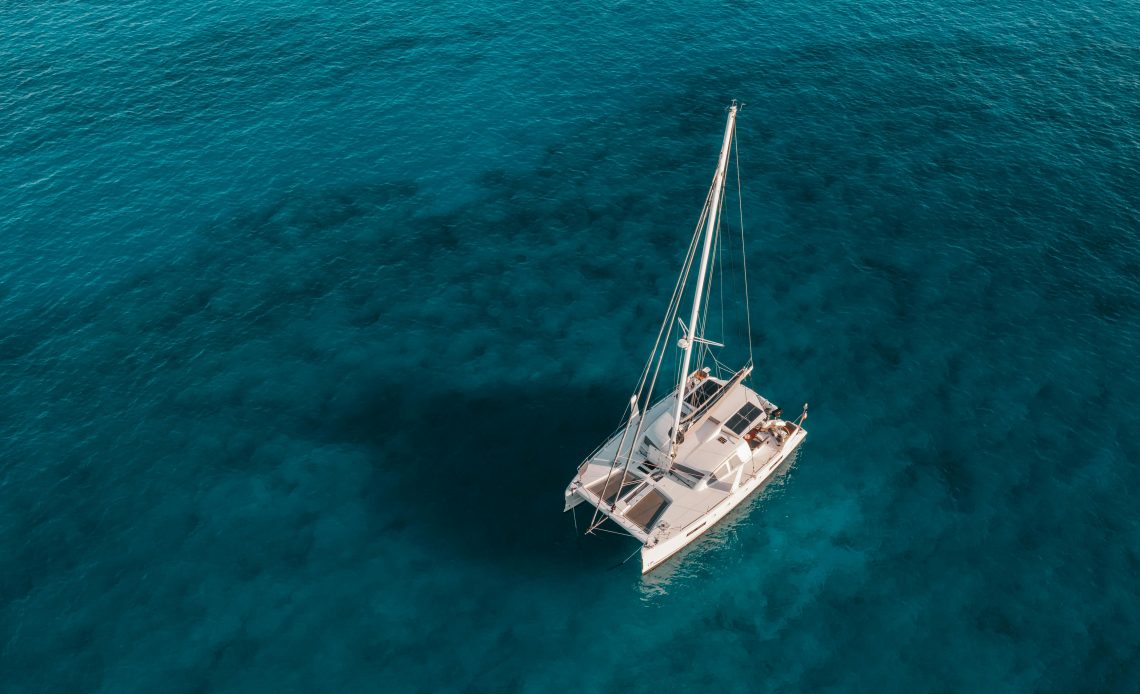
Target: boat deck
719 455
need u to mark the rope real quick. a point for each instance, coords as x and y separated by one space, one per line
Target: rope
702 330
743 251
666 328
657 354
626 559
704 350
612 532
721 366
720 284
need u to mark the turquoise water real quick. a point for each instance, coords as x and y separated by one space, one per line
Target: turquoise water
308 311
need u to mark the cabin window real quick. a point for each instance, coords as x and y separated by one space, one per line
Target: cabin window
738 422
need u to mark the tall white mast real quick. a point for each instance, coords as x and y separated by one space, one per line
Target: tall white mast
687 341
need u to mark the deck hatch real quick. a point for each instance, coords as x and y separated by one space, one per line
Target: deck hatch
613 486
646 512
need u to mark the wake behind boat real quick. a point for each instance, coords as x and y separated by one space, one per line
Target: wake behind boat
677 466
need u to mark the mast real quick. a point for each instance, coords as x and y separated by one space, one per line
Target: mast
686 342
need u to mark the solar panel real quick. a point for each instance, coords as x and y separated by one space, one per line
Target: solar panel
738 422
702 394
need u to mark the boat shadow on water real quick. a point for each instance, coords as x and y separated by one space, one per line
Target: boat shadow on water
481 474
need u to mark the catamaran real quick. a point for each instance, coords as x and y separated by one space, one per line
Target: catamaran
681 463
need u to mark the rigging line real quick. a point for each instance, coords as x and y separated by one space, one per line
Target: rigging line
703 350
612 532
721 275
720 284
674 303
743 253
675 299
670 315
706 349
678 294
719 363
678 287
708 285
700 327
626 559
601 522
674 306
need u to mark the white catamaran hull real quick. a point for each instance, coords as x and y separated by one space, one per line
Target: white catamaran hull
653 555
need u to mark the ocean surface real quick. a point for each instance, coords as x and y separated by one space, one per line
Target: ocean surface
310 310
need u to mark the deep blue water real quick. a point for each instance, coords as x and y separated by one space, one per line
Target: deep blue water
309 310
